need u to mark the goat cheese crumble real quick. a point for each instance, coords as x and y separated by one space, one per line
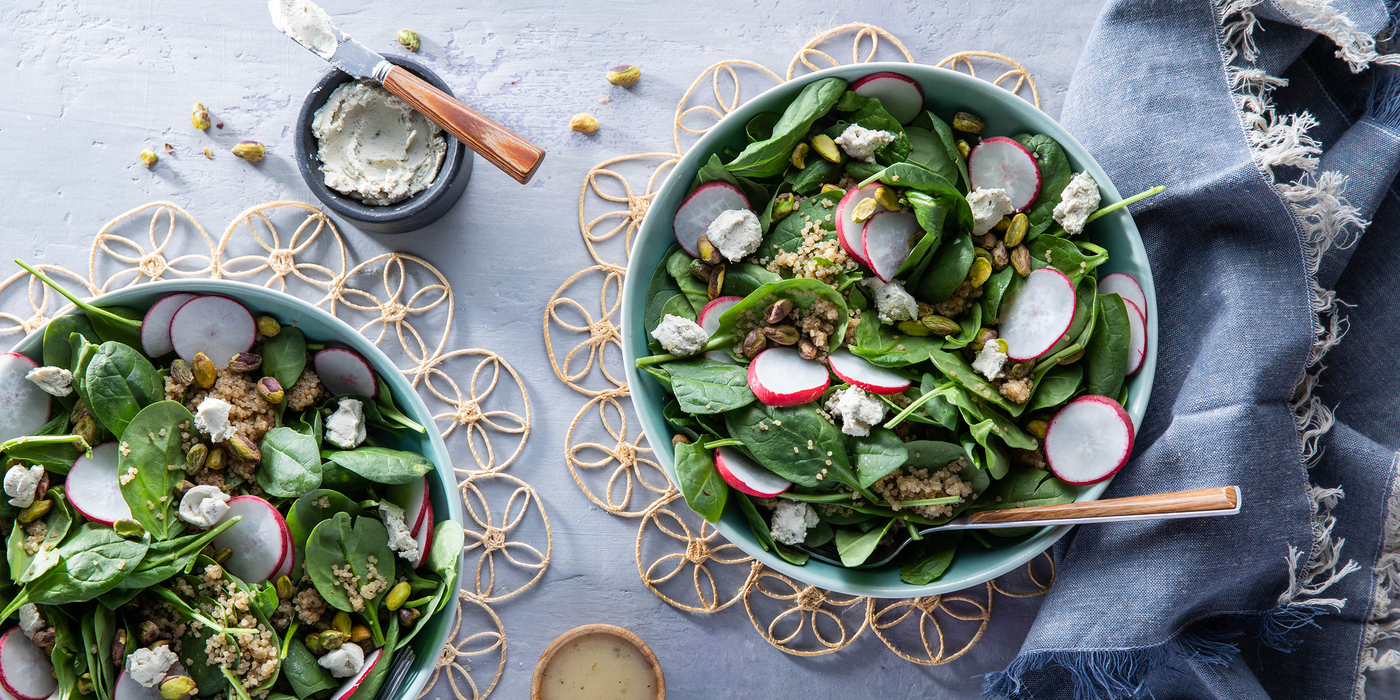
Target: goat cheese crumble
55 381
991 359
30 620
861 143
346 427
21 482
400 537
211 417
892 303
148 666
856 409
680 336
1079 199
345 661
988 206
204 506
735 233
791 520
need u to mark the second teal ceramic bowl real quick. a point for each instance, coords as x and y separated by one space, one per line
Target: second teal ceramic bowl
946 92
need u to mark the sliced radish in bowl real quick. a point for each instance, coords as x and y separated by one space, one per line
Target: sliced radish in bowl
424 537
413 499
747 475
898 94
701 208
93 488
259 541
1088 440
780 377
709 322
848 231
216 326
24 407
155 327
1137 338
1125 286
353 683
1000 162
1038 316
858 371
25 670
345 371
886 237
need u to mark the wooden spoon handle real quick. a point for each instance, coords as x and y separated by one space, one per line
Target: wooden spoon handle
1218 498
516 156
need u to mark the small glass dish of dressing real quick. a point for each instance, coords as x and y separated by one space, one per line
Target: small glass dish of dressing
598 662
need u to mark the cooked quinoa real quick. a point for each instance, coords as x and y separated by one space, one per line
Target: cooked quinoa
960 301
251 415
820 256
911 484
309 605
306 391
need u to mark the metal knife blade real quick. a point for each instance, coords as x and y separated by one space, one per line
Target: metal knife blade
352 57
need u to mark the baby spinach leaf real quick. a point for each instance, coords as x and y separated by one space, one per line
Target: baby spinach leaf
113 331
855 546
885 346
55 457
991 458
937 407
1055 174
923 248
309 423
369 687
284 356
995 289
810 179
382 465
948 269
1056 252
878 454
664 296
870 113
916 177
695 291
796 443
741 279
338 478
926 150
57 350
804 293
104 630
334 543
81 352
929 120
714 171
760 128
308 511
89 564
788 236
152 456
58 521
291 463
953 366
702 385
988 421
970 323
171 557
760 530
119 382
1107 354
1059 385
1024 487
302 671
66 657
448 539
929 559
770 156
704 489
860 171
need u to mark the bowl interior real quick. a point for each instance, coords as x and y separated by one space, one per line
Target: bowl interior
945 92
318 325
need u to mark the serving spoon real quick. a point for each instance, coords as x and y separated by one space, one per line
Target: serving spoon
1200 503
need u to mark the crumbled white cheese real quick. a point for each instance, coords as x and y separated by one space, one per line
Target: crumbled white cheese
204 506
791 520
148 666
856 409
991 359
212 419
53 380
345 661
680 336
400 537
861 143
346 427
892 303
30 620
988 206
1077 202
735 233
21 482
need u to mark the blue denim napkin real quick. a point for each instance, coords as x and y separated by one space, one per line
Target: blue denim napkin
1275 127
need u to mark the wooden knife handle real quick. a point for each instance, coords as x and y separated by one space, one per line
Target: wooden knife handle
1218 498
502 147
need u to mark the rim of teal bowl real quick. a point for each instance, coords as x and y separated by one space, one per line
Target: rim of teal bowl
1126 251
289 308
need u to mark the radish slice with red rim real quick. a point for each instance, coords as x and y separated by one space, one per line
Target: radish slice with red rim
155 327
1000 162
859 372
24 407
747 475
424 537
1038 316
259 541
1125 286
25 670
780 377
1137 339
344 371
353 683
216 326
413 499
1088 440
899 94
709 322
93 489
848 231
701 208
886 241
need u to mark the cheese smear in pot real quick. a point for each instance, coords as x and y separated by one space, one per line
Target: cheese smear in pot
373 146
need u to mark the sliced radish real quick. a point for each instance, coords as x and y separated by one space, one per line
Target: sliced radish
709 321
780 377
1038 316
898 94
93 488
216 326
1089 440
702 207
848 231
1125 286
1000 162
413 499
747 475
886 239
155 327
353 684
25 670
424 538
24 407
127 688
345 371
289 560
259 541
1137 339
857 371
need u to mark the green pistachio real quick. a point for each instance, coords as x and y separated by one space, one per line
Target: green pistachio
269 388
245 448
624 75
397 595
268 326
409 39
783 205
250 150
149 158
129 529
36 510
969 123
199 117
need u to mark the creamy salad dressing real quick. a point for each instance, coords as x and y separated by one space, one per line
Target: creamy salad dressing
307 24
373 146
598 667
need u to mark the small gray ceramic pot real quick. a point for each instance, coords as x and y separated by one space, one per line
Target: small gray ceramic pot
411 214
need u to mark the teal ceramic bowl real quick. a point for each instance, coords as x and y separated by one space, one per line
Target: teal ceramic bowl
945 92
320 326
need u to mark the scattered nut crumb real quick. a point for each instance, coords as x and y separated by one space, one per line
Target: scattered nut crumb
169 148
208 153
604 100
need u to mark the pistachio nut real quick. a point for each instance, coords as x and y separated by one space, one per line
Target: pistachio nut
149 158
1021 260
1002 224
1037 428
1073 358
409 39
86 428
782 334
181 489
245 362
967 122
79 410
397 595
313 644
45 638
826 148
359 633
777 311
340 623
914 328
119 647
1021 370
806 350
925 309
799 156
986 240
981 270
150 632
716 287
700 270
783 205
158 644
982 253
583 123
708 252
754 343
285 587
864 210
408 616
268 326
888 198
624 75
36 510
199 117
1016 230
85 686
828 187
222 555
215 460
129 529
181 372
245 448
1000 257
176 687
250 151
204 371
940 325
333 639
269 388
679 439
963 149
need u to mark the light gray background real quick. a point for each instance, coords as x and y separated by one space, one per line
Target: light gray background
87 85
